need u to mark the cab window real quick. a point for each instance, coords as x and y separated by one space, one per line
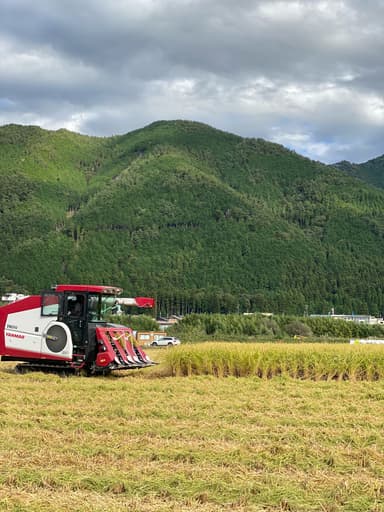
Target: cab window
75 305
94 314
50 304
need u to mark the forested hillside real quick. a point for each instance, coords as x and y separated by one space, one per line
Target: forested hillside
372 171
201 219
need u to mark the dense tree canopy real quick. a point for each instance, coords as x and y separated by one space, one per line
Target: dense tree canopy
201 219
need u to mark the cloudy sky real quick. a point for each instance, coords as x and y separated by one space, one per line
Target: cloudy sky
308 74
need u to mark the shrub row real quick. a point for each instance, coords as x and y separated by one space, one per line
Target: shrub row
237 326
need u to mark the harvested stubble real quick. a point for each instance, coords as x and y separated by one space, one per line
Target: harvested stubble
265 360
135 442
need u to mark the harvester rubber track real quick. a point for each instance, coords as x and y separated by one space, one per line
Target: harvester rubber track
58 369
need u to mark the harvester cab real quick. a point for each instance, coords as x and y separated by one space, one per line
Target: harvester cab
67 328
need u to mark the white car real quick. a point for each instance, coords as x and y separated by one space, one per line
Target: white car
12 297
165 341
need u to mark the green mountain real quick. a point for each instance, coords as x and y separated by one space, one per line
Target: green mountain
371 172
201 219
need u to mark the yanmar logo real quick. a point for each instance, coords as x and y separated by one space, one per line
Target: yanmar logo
15 335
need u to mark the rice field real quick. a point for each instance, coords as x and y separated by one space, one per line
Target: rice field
266 360
144 441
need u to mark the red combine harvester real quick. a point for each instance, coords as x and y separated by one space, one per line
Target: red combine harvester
64 329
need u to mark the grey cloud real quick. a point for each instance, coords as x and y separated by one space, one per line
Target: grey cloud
256 68
214 37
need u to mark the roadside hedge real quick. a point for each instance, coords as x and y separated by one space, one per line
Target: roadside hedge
196 327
